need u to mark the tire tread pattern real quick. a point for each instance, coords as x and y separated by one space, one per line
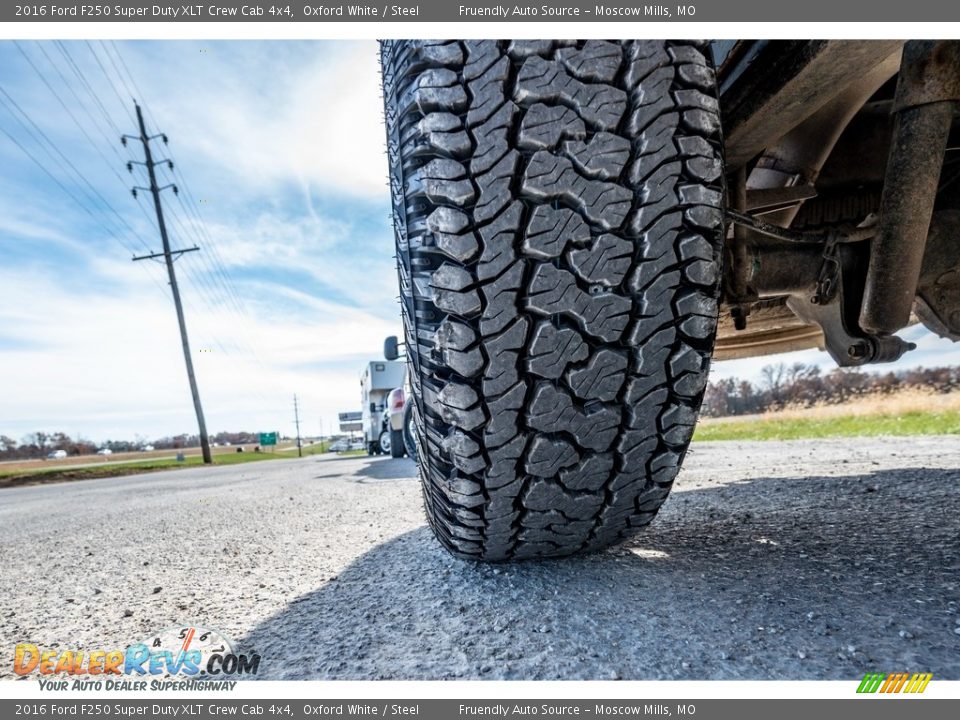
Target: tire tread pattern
557 210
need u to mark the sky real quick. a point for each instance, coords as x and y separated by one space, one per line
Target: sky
280 158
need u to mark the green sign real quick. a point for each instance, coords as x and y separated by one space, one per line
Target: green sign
268 438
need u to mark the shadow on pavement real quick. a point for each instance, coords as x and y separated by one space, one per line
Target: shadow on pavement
800 578
386 469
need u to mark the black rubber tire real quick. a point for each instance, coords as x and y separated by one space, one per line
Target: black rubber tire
397 449
557 208
409 439
383 442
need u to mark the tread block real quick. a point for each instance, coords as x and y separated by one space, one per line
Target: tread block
548 455
494 186
443 132
457 345
447 220
459 406
452 277
606 262
596 61
591 473
543 495
501 300
491 139
439 90
543 126
488 91
499 239
554 291
464 452
503 462
548 177
442 181
447 224
552 410
502 369
651 99
603 157
481 54
462 304
553 348
542 80
602 377
504 424
642 58
550 230
436 52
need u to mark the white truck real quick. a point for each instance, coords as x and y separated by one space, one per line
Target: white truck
379 378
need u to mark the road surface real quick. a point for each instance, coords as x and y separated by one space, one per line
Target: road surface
819 560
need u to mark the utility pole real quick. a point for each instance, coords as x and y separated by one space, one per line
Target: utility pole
168 256
296 417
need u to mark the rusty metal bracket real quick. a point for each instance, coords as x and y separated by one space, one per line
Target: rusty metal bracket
863 231
828 279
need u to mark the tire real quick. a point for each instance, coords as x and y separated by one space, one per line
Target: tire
397 449
557 208
383 442
409 432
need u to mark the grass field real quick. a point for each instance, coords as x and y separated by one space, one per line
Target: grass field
910 412
37 472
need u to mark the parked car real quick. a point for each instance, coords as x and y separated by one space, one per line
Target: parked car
56 455
104 451
400 408
339 446
396 402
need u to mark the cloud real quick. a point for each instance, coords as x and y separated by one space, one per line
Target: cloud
115 369
307 113
283 147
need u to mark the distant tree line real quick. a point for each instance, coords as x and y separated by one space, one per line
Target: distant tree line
802 385
40 444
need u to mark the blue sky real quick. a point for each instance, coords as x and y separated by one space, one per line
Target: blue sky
281 145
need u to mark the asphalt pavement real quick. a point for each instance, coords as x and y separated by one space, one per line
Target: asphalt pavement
793 560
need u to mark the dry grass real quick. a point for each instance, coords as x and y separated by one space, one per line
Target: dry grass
902 402
911 411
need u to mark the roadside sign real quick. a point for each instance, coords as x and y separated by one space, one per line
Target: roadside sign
351 421
268 438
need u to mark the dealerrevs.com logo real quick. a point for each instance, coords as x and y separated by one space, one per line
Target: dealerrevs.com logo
181 653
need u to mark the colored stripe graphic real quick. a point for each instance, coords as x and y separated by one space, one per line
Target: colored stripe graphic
918 683
870 683
894 683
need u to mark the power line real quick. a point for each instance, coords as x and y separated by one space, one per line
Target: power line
110 82
110 139
69 163
110 233
192 223
215 274
72 63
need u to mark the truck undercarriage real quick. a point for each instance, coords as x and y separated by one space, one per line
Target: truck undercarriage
843 196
